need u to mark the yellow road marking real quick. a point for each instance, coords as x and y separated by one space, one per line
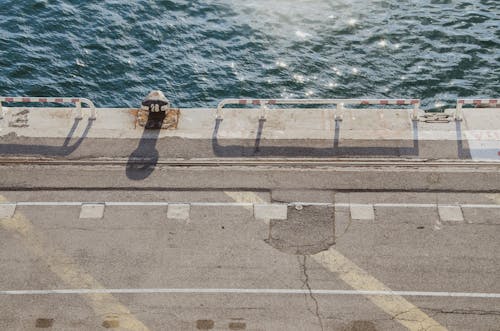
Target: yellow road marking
104 305
397 307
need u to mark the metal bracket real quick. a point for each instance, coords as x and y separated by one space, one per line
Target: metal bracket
437 118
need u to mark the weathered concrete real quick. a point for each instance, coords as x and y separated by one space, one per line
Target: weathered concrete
375 133
268 212
367 161
178 211
7 210
307 230
362 212
92 210
450 213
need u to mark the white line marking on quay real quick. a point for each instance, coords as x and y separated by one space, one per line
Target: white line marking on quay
242 204
250 291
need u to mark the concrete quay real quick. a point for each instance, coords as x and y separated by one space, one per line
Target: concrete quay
293 133
299 222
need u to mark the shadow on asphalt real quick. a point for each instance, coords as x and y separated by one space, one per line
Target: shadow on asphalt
143 160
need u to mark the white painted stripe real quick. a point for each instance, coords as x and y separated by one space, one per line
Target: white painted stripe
405 205
251 291
140 204
248 204
49 203
480 206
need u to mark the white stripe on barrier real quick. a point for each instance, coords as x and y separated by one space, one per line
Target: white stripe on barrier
477 102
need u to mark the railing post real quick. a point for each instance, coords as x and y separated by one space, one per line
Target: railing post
219 111
458 110
2 114
416 107
78 105
340 109
263 109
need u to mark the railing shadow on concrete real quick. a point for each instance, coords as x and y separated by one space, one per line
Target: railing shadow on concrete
143 160
463 153
46 150
303 151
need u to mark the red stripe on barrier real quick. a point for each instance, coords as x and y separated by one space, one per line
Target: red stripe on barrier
365 102
461 101
242 102
477 102
384 102
400 102
272 102
42 100
26 100
59 100
75 100
9 99
414 102
493 101
255 102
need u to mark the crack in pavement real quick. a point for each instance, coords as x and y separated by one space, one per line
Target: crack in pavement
464 311
306 284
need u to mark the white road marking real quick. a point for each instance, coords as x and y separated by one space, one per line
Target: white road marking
244 204
251 291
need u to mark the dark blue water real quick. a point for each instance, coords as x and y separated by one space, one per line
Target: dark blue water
198 52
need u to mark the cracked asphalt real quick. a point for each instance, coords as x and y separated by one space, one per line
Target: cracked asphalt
138 247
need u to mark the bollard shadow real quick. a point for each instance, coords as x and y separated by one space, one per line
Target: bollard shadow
49 151
299 151
143 160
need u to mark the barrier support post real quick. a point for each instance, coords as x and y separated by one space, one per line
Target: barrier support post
263 109
79 109
458 111
414 114
340 112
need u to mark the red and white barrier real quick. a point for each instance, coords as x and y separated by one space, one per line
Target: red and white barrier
77 101
339 103
476 102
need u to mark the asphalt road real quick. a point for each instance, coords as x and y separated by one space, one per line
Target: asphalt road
223 269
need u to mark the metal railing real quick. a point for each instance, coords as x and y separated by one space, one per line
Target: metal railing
339 103
77 101
477 102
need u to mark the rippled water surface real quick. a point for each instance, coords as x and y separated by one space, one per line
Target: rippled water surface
199 52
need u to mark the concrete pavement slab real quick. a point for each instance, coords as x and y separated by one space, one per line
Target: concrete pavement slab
270 211
7 210
450 214
178 211
363 212
92 210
